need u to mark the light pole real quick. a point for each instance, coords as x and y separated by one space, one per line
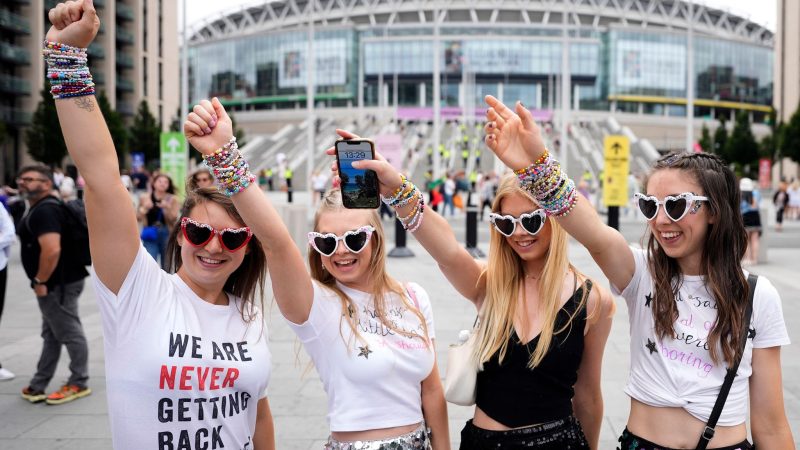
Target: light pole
690 81
312 122
566 82
184 69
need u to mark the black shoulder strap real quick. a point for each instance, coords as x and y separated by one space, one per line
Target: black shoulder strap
708 432
26 218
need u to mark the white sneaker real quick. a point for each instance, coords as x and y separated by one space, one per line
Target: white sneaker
6 374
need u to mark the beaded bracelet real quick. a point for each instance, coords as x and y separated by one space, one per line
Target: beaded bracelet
230 169
397 194
67 70
551 188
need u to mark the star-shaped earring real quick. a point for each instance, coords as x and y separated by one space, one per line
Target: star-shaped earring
648 299
751 333
651 346
365 351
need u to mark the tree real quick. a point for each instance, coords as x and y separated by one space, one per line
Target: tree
705 140
742 148
147 133
721 139
43 138
790 137
116 127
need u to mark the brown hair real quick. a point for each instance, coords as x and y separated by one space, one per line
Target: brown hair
247 281
723 249
41 169
191 180
382 283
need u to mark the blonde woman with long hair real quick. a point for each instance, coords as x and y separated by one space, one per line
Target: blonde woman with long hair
544 324
369 336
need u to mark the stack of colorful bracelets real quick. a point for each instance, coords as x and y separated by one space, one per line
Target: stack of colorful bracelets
553 190
67 70
403 196
230 169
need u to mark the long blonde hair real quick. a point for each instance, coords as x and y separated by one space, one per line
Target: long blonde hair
505 277
381 283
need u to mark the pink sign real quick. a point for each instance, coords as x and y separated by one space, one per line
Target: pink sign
454 112
391 147
764 173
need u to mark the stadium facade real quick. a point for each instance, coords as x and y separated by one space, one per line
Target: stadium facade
628 57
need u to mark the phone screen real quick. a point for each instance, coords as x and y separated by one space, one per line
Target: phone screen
359 187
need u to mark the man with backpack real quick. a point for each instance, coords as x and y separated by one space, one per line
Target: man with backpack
54 260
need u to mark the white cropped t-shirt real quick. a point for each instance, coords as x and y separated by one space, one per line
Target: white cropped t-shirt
374 382
678 372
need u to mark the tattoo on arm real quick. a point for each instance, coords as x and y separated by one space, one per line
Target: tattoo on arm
85 103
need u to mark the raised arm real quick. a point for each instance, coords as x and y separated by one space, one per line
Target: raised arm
113 233
434 233
514 137
208 128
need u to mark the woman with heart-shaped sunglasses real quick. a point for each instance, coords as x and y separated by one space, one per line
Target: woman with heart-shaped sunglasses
686 292
543 324
178 342
368 335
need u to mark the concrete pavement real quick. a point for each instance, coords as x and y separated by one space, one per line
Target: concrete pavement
296 396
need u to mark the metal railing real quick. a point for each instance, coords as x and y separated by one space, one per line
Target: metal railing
14 22
14 54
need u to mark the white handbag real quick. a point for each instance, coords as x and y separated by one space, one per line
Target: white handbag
462 369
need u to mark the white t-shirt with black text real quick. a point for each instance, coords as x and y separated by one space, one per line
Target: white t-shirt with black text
374 382
180 372
678 371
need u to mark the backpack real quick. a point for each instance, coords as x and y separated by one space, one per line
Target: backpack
75 235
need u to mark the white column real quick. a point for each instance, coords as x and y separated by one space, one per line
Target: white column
310 92
423 95
538 96
500 90
565 89
437 97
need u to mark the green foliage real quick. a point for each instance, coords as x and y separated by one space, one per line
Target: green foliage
790 138
116 127
721 139
742 148
43 138
146 134
705 140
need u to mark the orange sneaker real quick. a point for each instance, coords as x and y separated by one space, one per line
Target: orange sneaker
33 396
67 393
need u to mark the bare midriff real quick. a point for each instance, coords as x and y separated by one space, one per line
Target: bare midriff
676 428
373 435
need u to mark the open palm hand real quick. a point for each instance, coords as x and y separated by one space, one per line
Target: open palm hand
512 135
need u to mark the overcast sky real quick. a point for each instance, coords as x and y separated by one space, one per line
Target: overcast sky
762 12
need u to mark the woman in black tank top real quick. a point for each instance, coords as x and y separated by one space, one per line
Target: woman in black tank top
543 326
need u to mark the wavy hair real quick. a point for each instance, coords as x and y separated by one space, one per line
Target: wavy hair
504 276
247 281
381 283
723 249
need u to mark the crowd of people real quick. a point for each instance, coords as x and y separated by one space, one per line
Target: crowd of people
182 309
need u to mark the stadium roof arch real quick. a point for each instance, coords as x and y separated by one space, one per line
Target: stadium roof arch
599 15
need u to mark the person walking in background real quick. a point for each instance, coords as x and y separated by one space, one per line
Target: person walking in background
687 294
186 358
158 211
319 183
751 218
793 211
487 189
780 200
57 281
200 178
449 191
7 238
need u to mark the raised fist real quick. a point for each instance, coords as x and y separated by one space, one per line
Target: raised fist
208 127
75 23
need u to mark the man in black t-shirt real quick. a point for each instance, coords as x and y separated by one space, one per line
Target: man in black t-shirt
57 281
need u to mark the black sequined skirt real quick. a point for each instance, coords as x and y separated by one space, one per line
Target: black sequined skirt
561 434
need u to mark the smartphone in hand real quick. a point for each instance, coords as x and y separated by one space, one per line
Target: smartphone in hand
359 187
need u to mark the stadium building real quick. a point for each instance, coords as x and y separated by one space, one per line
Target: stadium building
627 62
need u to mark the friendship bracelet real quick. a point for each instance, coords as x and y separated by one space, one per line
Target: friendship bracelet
230 169
396 195
553 190
67 70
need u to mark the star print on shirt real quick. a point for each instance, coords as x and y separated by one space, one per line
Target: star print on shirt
648 299
651 346
751 333
365 351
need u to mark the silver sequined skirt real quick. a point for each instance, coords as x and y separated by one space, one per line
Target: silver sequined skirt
418 439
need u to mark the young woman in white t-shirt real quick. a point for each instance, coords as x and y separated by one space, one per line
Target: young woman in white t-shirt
186 357
686 294
544 324
369 336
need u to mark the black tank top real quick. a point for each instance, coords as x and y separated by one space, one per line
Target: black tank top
155 215
517 396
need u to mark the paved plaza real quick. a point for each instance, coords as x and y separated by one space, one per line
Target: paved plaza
296 395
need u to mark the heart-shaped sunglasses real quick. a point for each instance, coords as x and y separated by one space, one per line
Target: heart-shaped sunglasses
531 222
354 240
675 206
